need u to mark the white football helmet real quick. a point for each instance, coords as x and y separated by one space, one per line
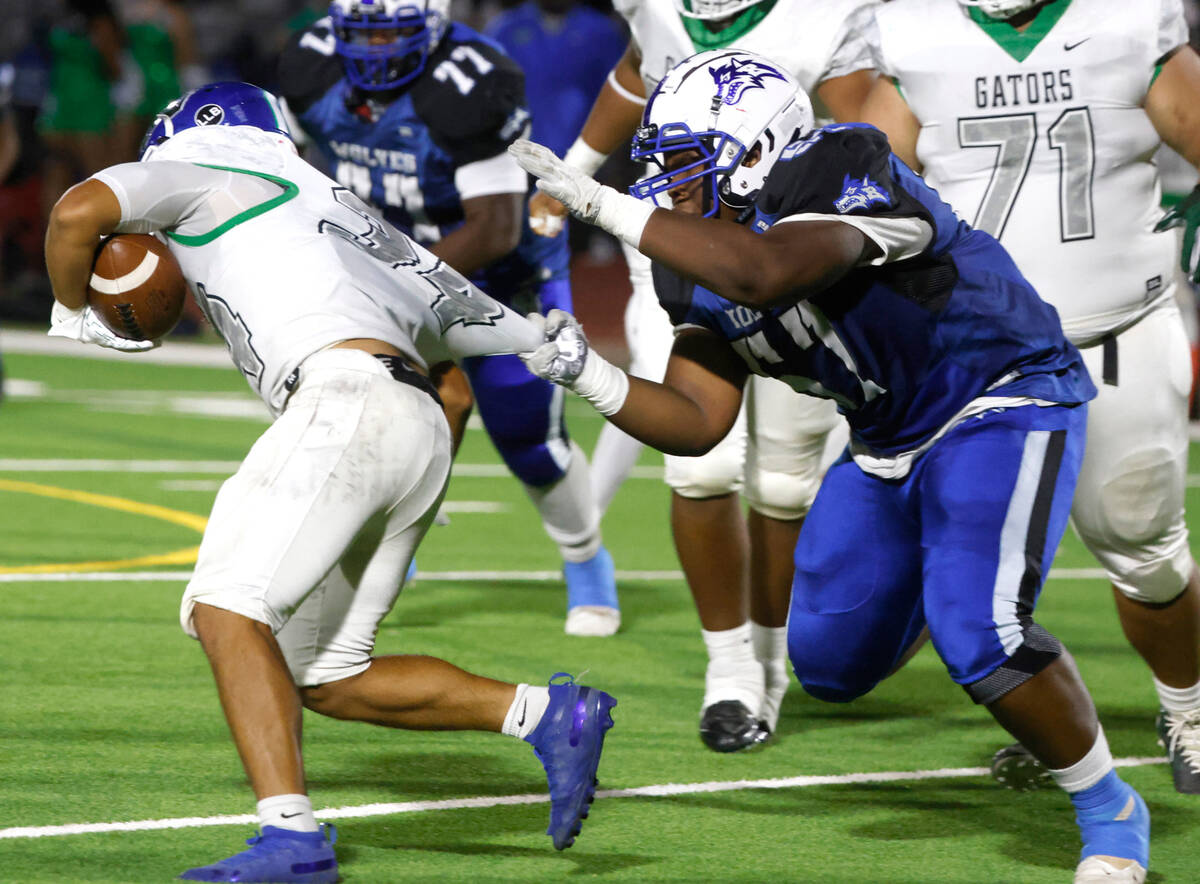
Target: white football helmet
1002 8
720 105
713 10
385 43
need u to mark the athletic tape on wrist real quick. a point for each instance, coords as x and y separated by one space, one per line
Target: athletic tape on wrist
584 157
624 216
602 384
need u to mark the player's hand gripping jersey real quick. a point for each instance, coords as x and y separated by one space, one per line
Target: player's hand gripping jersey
940 327
1040 137
418 153
285 261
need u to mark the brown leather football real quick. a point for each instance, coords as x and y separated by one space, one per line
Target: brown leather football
136 288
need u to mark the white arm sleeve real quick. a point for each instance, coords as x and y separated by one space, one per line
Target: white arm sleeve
1172 26
498 174
178 196
897 238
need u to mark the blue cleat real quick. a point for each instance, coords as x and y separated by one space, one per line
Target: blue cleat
568 741
592 607
278 855
1115 833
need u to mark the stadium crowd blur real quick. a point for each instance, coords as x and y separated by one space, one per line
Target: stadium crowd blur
81 79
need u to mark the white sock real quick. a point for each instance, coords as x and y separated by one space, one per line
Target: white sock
293 812
770 649
1087 771
568 512
1178 700
526 711
733 672
613 458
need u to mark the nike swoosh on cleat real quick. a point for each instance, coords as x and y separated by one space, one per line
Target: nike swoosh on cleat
1069 46
1126 812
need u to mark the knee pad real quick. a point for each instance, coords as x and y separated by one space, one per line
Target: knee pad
1139 536
1037 651
782 495
710 475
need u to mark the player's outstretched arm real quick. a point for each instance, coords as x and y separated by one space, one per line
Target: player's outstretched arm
686 415
787 263
610 123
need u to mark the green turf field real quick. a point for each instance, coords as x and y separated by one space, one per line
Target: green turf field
109 715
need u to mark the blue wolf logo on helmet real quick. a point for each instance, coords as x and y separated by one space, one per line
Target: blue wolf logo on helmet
739 74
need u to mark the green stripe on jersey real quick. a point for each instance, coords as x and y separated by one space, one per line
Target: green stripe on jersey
290 191
1016 43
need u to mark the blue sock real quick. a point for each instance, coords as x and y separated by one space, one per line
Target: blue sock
1113 820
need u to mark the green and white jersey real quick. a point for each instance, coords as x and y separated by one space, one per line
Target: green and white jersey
285 261
1040 139
815 40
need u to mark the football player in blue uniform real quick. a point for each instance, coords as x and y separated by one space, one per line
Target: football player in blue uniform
832 266
413 113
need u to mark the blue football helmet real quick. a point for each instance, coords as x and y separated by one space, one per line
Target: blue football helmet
217 104
385 44
718 106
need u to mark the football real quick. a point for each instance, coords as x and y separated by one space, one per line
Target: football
136 287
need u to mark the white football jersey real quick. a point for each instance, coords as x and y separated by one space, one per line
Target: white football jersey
1041 140
285 261
815 40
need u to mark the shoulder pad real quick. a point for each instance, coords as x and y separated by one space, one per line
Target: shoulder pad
833 170
472 97
308 66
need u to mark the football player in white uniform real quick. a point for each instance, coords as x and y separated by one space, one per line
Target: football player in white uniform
739 569
1038 122
333 317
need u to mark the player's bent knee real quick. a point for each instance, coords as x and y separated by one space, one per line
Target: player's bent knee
247 603
714 474
1037 651
780 495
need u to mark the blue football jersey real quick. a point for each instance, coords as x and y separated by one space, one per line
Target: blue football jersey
907 346
468 105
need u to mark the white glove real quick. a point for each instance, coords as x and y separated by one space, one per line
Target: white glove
561 358
586 199
84 326
566 359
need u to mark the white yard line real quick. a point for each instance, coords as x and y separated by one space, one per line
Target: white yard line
665 790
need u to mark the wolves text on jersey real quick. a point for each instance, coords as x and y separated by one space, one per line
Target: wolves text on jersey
375 157
1018 90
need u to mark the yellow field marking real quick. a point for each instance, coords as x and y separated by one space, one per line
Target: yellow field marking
178 517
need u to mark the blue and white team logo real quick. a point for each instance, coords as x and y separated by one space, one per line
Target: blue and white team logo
860 193
209 115
737 76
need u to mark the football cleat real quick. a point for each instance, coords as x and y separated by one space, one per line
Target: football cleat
728 726
1109 870
592 607
775 685
278 855
1015 768
568 741
1179 734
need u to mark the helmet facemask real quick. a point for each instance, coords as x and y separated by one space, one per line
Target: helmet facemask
385 45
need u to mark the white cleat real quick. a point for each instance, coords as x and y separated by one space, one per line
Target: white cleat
593 620
775 685
1109 870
